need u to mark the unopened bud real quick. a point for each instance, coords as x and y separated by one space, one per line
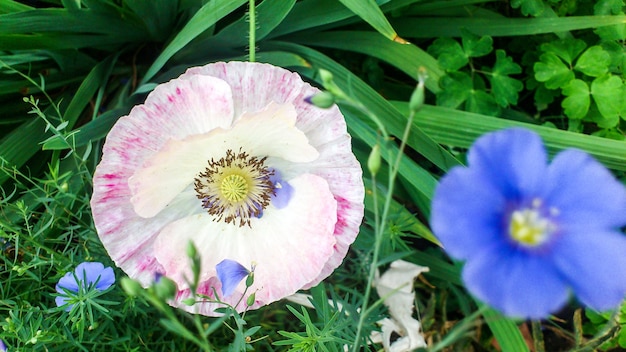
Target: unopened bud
189 301
192 252
131 287
326 76
322 100
165 288
250 279
250 300
417 98
373 161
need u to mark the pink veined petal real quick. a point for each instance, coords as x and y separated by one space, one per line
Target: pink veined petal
270 132
289 246
129 238
255 85
165 115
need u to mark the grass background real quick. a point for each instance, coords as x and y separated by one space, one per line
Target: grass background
70 68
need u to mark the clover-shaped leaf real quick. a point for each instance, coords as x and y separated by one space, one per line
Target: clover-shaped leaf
505 89
594 61
608 7
577 102
449 53
551 70
566 49
481 102
529 7
608 93
475 46
455 89
614 32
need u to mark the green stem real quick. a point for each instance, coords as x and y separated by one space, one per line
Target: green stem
252 31
378 235
538 336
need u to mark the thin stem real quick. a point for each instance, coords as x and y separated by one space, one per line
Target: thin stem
252 31
378 235
538 336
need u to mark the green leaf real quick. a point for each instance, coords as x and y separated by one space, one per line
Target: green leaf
608 93
369 11
158 17
505 89
8 6
566 49
481 102
455 89
608 7
613 33
475 46
437 27
450 54
394 121
529 7
460 129
406 57
208 14
269 15
505 331
576 104
552 71
594 62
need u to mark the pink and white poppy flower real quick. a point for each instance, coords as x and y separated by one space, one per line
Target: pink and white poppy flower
230 157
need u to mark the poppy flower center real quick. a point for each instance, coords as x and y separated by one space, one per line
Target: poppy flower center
235 187
529 226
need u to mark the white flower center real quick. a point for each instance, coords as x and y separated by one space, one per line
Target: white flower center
236 186
530 227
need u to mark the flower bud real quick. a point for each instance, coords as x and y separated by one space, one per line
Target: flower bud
192 252
131 287
326 76
250 300
322 100
189 301
373 161
250 279
417 98
165 288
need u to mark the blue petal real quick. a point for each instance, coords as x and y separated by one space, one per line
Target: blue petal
514 160
467 213
230 274
584 192
67 282
90 272
283 191
517 283
61 301
594 263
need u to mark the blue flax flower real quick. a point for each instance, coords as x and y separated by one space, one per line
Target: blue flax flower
230 274
532 232
87 276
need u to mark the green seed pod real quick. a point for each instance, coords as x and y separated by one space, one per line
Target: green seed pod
322 100
417 98
189 301
250 279
192 252
250 300
326 76
373 161
165 288
131 287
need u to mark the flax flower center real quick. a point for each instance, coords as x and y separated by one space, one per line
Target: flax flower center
235 188
530 227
